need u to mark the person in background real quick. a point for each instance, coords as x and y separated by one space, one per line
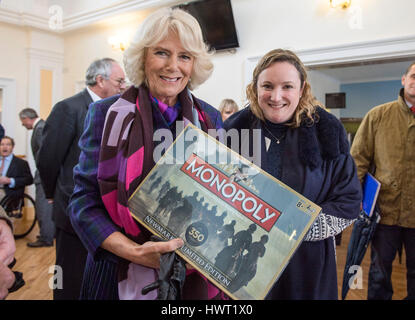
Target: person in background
385 141
31 121
15 172
166 59
7 251
58 155
306 148
227 108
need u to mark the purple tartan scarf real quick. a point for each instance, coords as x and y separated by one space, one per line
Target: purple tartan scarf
126 155
169 114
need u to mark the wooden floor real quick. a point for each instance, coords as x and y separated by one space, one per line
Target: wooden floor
398 272
35 264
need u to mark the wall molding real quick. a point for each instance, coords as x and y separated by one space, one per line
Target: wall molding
390 48
13 16
385 49
50 56
47 60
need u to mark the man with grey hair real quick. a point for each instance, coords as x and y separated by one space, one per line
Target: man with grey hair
30 120
56 159
105 78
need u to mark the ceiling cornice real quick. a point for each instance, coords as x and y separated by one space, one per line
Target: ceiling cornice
86 18
23 19
79 20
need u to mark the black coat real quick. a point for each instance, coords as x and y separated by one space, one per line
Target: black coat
59 153
317 164
19 170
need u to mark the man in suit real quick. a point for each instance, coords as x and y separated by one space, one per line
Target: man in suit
58 155
15 172
30 120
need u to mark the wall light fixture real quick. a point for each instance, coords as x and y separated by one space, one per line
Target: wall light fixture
344 4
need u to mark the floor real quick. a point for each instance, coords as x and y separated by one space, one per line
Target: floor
37 267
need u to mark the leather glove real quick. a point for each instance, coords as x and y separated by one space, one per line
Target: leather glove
171 276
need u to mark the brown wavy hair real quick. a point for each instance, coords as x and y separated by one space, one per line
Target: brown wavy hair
306 109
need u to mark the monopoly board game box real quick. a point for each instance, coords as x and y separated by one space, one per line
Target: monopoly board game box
240 225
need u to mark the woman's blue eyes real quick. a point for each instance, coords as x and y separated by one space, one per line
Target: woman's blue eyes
270 87
165 54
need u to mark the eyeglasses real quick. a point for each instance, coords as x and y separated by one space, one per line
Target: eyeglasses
120 81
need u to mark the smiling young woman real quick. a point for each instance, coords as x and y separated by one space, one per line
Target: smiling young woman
279 91
306 148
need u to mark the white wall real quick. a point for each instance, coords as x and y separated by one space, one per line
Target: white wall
299 25
14 67
85 45
322 84
262 25
23 52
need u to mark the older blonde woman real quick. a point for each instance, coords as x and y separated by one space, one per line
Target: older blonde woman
306 148
166 59
227 108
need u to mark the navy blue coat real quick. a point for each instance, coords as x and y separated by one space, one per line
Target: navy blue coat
316 163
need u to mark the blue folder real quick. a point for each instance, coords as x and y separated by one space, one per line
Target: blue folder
371 188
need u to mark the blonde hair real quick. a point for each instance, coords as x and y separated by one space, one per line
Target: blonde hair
306 106
155 28
228 103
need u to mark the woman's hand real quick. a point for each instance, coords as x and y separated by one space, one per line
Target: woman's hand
147 254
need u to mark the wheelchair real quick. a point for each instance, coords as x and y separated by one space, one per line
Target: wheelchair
22 212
